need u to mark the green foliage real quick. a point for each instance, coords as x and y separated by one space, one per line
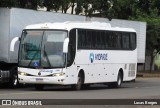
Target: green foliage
30 4
52 4
65 5
124 8
8 3
148 11
79 8
141 10
152 34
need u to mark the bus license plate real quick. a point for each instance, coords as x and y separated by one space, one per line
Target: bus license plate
39 79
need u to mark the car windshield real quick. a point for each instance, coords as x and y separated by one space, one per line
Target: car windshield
42 48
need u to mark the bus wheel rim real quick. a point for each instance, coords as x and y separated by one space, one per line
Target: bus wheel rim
119 80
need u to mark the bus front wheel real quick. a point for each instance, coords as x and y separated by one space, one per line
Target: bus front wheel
39 86
78 86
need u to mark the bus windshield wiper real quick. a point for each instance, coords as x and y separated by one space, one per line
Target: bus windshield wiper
47 59
33 57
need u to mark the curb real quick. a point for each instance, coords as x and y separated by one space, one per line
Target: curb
148 74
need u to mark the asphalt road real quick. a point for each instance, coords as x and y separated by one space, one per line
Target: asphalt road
143 88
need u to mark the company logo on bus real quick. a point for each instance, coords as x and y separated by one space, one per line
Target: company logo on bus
98 56
91 57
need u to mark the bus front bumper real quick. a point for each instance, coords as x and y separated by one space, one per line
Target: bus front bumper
60 80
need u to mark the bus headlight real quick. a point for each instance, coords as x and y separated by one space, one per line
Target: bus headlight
22 73
59 74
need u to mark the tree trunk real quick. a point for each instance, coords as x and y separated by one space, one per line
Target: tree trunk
65 10
72 8
48 8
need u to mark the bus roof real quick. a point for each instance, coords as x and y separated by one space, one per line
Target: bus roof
82 24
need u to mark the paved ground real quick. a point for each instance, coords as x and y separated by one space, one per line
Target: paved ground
143 88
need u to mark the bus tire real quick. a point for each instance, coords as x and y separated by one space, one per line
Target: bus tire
118 83
39 87
13 82
79 84
85 86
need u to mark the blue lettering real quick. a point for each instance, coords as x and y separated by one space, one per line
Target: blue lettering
96 57
100 56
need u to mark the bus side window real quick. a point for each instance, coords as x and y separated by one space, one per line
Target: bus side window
82 41
133 40
103 43
89 39
98 39
110 40
93 39
106 37
118 40
125 40
71 47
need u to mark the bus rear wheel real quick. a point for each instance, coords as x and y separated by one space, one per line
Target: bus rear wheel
118 83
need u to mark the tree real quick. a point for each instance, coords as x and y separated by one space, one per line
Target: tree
29 4
101 6
66 4
72 5
151 16
8 3
52 4
79 8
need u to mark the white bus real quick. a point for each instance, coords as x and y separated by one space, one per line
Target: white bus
77 54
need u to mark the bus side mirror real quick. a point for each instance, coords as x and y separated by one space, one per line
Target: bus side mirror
13 42
65 45
19 39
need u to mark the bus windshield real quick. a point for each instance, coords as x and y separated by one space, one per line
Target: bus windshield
41 48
